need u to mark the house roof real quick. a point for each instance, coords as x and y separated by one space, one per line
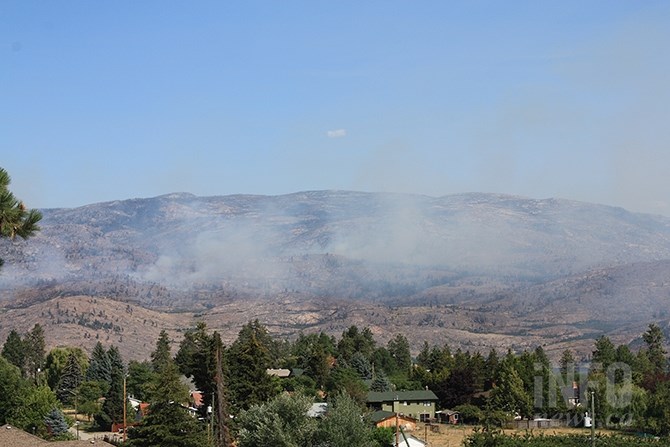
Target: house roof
383 415
412 441
401 396
15 437
380 415
318 409
278 372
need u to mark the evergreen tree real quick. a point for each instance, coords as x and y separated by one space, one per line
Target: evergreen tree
362 366
195 360
398 347
34 348
161 355
655 339
12 389
57 360
509 395
70 380
380 383
604 353
112 408
248 360
13 350
15 219
140 376
168 424
100 368
55 423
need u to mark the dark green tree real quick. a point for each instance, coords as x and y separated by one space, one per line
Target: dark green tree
168 423
57 360
380 383
510 395
100 368
13 350
161 356
70 380
654 340
35 353
88 398
248 359
112 408
12 389
398 347
195 359
353 340
140 376
36 403
604 353
15 218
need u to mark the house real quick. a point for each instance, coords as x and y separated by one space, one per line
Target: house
447 416
281 373
415 404
15 437
387 419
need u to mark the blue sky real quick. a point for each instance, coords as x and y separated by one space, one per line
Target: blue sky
106 100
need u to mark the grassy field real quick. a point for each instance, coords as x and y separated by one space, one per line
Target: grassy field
453 435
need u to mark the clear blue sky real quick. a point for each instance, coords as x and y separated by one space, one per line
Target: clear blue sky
106 100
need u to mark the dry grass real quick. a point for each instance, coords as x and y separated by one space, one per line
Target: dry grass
453 435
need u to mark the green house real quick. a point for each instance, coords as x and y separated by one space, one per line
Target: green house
416 404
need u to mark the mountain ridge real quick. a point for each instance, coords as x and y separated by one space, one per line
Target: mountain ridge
487 261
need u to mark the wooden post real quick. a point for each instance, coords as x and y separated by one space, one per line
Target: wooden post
125 399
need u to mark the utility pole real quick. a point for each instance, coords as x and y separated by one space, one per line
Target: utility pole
125 399
593 418
222 433
396 404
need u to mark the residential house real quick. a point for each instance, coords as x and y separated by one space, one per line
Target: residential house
15 437
415 404
387 419
447 416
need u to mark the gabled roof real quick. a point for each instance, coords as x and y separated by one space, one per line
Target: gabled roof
15 437
380 415
401 396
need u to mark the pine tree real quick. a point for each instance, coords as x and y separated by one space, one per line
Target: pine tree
114 399
161 356
249 358
15 219
70 380
100 368
13 350
35 353
398 347
195 359
168 424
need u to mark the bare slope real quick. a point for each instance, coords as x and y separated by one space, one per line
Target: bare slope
474 270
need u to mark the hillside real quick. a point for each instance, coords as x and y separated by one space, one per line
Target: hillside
474 270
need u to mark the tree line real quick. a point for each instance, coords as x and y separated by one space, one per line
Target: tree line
631 389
